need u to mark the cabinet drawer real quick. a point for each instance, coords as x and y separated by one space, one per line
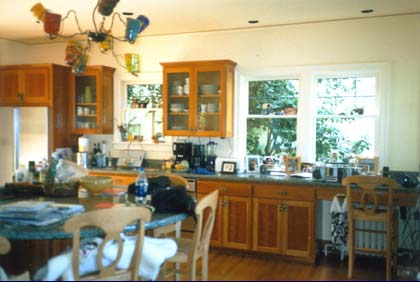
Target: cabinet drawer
123 180
225 188
272 191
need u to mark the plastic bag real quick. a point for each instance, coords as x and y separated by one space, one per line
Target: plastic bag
68 171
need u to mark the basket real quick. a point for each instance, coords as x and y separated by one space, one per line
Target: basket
68 189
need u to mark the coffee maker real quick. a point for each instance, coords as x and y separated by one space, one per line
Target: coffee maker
182 151
198 156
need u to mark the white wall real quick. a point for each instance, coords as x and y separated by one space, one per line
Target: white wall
395 40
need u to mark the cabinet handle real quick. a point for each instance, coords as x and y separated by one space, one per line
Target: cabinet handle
222 189
226 204
20 97
283 193
282 207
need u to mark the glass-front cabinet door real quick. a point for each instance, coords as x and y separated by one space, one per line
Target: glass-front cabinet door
86 111
92 103
178 102
209 105
198 98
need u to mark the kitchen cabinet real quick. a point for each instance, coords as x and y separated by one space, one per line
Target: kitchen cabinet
232 228
284 219
26 85
40 85
118 178
92 101
198 98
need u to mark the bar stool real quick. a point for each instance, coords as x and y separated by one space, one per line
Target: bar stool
371 189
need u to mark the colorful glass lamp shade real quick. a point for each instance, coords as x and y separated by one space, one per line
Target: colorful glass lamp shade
76 54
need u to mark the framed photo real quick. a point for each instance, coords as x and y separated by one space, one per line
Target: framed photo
252 164
365 169
372 163
292 164
228 167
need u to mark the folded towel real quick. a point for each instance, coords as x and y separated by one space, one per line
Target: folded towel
155 252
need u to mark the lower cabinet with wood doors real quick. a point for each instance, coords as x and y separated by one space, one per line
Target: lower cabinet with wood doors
232 228
284 220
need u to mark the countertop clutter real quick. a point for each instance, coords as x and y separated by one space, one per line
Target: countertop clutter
294 179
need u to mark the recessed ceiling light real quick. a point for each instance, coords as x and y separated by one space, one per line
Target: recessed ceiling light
253 21
366 11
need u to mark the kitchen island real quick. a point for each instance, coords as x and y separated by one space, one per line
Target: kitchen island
32 246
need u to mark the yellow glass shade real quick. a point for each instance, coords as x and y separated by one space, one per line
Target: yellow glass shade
39 11
132 62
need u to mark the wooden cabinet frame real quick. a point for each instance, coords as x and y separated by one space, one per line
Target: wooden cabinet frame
219 123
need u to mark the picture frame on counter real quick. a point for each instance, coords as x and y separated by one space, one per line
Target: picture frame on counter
292 164
228 168
252 164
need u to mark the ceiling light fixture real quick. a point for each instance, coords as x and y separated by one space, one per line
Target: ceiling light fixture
76 51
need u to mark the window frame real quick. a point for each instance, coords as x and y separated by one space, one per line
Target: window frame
159 150
307 112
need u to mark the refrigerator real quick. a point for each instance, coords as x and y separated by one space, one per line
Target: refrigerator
23 138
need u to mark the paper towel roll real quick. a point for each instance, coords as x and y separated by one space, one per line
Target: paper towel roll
83 144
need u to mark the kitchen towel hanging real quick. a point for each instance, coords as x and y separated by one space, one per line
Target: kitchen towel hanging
339 220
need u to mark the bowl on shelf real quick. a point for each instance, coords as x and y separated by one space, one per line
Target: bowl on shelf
96 184
176 107
209 88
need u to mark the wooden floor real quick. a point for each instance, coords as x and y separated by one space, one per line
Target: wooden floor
231 266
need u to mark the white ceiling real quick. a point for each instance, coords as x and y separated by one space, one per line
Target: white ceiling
184 16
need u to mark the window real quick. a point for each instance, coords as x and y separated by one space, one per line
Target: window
272 112
142 111
314 111
346 116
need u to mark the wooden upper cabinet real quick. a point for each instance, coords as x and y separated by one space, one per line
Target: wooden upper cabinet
198 98
92 101
26 85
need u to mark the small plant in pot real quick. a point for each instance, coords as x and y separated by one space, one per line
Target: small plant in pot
143 102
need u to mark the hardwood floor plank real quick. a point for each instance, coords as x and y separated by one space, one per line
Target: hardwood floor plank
225 266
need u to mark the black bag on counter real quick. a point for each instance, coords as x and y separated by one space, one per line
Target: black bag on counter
174 199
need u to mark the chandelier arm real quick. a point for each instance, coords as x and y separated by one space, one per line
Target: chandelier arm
112 21
75 18
93 16
119 63
121 39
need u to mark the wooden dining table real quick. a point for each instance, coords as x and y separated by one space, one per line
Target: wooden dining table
32 246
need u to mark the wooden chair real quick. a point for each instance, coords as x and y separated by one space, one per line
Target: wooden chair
174 180
190 250
369 209
112 222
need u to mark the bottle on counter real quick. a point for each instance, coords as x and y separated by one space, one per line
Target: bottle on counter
141 186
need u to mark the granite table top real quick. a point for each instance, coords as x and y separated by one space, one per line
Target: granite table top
55 231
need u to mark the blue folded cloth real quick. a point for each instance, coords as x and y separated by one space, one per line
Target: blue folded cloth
201 170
